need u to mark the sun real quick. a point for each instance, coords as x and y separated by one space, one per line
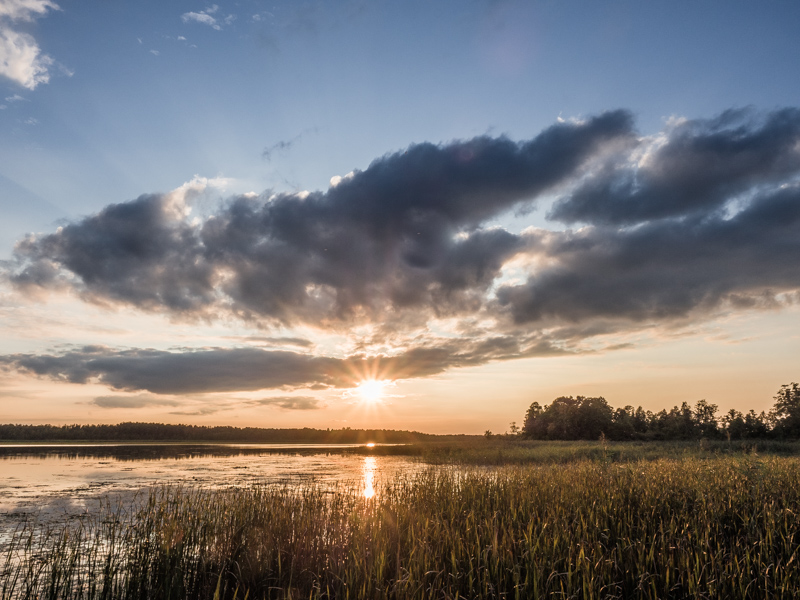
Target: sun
371 390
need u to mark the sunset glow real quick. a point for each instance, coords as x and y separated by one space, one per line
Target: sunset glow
372 390
369 477
522 210
393 293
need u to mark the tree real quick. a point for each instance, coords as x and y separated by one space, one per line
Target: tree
787 410
734 425
569 418
594 418
705 418
586 418
756 426
641 420
624 425
532 414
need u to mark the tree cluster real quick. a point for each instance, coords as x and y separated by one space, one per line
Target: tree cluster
125 432
583 418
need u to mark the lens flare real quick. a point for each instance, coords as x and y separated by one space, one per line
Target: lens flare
371 390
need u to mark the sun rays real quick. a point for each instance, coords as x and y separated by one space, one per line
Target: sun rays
372 391
370 381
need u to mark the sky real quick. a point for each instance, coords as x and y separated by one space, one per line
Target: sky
404 215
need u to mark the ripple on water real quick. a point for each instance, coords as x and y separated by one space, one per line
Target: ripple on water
54 484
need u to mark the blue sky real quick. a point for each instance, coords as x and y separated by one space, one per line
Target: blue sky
345 82
219 100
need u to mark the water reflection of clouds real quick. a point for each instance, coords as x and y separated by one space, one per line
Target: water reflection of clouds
369 476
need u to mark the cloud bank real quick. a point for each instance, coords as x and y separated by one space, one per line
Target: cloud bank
246 369
403 234
648 231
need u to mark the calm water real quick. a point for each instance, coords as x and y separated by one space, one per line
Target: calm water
63 480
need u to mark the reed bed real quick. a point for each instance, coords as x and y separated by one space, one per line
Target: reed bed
510 450
724 527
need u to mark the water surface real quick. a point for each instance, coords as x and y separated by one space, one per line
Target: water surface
61 480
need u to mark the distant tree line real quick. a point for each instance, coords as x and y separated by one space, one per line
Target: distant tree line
583 418
129 432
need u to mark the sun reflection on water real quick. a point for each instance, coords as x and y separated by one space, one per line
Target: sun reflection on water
369 476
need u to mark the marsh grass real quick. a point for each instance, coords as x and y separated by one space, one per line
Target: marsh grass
722 527
507 450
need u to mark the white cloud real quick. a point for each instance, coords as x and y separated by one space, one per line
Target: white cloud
337 179
25 10
155 52
21 59
204 17
199 190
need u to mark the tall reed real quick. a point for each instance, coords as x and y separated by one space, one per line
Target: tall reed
716 528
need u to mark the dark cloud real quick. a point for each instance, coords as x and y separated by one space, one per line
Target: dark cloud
667 269
696 168
140 252
140 401
249 369
161 372
702 218
290 402
383 239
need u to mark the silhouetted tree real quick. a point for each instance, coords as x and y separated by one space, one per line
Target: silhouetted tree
733 425
623 428
159 432
641 420
787 411
532 414
705 419
569 418
737 426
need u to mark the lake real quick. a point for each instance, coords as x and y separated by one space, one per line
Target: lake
56 481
